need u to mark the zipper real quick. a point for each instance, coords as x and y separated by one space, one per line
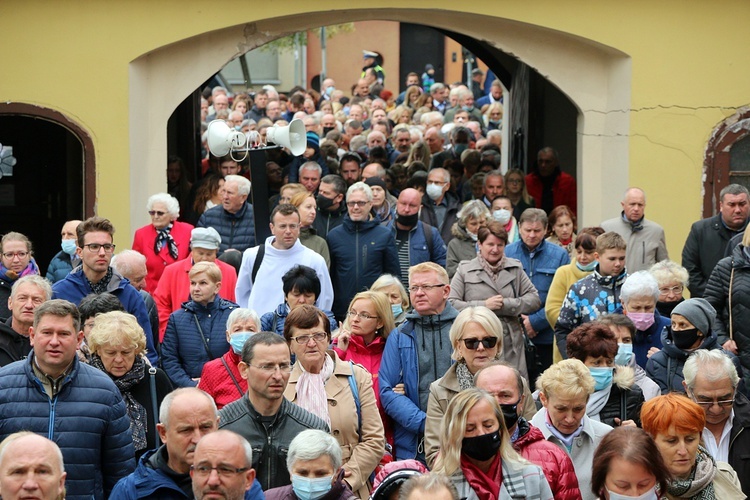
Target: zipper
51 427
356 262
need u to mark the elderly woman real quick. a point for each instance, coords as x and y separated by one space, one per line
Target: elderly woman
617 399
476 452
221 378
580 267
463 245
562 229
381 207
628 465
301 285
676 423
638 297
564 390
500 284
165 241
196 333
308 209
16 261
314 464
396 293
515 190
672 279
338 392
117 344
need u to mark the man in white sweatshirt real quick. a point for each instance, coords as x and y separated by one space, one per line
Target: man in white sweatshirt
259 286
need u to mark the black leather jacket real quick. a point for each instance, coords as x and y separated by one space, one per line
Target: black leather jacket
270 444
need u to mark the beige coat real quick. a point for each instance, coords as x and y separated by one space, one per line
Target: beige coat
441 392
471 286
359 458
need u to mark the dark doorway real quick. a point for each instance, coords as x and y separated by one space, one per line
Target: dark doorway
419 46
46 187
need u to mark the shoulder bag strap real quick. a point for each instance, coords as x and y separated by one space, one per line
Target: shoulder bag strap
355 394
731 283
234 379
154 404
203 337
258 261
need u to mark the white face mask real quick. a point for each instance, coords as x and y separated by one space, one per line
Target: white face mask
434 191
502 215
649 495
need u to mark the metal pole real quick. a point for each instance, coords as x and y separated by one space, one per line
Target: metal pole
259 189
322 56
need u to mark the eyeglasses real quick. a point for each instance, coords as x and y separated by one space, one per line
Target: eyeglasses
362 315
20 255
725 403
673 290
360 204
283 367
317 337
222 470
487 342
426 288
95 247
157 213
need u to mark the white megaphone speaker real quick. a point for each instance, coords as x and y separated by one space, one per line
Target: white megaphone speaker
293 137
222 140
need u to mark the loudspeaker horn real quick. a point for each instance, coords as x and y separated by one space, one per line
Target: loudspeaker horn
222 139
292 137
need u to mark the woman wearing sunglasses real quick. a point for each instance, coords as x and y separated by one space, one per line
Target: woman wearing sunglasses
476 336
165 240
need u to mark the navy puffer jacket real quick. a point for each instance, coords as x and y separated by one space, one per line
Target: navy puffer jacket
236 230
183 351
86 419
274 321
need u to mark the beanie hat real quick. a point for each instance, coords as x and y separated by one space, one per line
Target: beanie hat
313 141
376 181
698 312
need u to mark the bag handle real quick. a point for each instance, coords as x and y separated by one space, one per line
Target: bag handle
731 283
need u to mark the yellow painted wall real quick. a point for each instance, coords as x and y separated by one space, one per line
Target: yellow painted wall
684 63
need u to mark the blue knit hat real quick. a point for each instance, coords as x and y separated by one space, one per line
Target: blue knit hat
313 141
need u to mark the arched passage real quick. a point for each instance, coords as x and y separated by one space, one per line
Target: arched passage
596 79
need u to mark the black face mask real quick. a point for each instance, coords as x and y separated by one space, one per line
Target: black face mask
482 447
684 339
408 220
510 414
327 129
323 202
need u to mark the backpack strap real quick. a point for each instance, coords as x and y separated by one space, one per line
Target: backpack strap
258 261
355 394
428 237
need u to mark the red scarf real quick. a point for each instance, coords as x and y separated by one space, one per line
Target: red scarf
486 486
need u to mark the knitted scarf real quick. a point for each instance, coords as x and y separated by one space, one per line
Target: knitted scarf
136 411
12 276
311 390
700 484
464 376
165 236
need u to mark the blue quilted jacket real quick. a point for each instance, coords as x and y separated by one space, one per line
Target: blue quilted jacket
183 350
86 419
274 321
236 230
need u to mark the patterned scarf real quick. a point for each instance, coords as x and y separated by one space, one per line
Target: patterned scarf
311 390
493 271
12 276
165 236
700 484
136 411
101 286
464 376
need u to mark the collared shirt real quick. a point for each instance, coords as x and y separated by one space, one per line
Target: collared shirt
719 451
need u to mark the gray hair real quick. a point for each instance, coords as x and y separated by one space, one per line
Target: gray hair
639 284
360 186
493 133
124 261
357 142
430 116
446 174
430 483
493 173
169 201
667 271
733 189
312 444
33 279
631 189
714 365
166 404
243 185
21 434
311 165
242 314
436 86
473 209
533 215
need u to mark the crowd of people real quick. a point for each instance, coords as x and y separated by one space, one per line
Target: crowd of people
418 323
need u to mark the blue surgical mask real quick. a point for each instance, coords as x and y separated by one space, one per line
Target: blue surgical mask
69 247
649 495
624 354
237 340
588 267
311 488
602 377
397 309
329 91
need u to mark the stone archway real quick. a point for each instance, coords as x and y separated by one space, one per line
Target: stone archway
594 77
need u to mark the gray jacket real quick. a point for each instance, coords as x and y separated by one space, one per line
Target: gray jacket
646 246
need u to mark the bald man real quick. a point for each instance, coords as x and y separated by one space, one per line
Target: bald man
31 466
66 259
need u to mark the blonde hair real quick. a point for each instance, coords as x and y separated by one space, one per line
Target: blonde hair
117 328
567 379
453 428
482 317
389 280
382 308
667 271
299 198
428 267
210 268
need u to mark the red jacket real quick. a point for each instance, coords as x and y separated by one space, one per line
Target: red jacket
215 379
564 190
143 242
174 288
556 464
